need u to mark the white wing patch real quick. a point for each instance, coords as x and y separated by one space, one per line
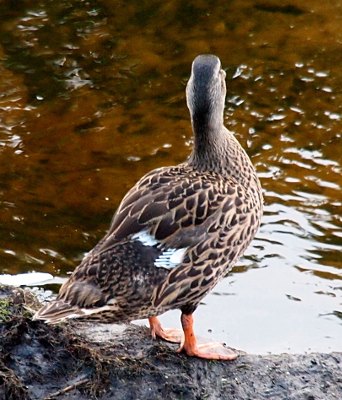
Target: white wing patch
169 258
145 238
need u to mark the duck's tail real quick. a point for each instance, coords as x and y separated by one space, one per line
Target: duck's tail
57 311
76 300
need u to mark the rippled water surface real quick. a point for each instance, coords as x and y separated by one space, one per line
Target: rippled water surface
92 97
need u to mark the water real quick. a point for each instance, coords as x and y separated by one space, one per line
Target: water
92 97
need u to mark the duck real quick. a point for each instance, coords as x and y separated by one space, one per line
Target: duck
177 232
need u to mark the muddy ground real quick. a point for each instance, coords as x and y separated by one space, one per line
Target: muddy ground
90 361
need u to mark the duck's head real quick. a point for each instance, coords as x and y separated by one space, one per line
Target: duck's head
206 91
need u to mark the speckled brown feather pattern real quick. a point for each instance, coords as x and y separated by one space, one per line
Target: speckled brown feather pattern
211 205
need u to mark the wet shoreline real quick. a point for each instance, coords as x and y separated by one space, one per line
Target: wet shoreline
88 361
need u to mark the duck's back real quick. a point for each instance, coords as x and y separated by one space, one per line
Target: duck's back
178 230
134 272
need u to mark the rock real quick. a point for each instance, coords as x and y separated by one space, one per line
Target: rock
89 361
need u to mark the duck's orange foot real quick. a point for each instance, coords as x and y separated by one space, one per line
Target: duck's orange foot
210 351
169 334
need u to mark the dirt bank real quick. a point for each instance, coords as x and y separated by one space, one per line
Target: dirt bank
73 361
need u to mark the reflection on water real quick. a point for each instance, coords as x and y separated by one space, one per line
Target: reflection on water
92 97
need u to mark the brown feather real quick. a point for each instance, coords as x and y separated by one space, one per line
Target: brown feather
210 206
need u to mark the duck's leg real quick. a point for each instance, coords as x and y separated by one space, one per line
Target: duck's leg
212 351
169 334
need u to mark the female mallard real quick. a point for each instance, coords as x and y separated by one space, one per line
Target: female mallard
177 232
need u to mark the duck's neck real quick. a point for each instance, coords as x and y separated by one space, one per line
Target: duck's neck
210 142
217 150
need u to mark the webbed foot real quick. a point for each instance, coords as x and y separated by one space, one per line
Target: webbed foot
208 350
169 334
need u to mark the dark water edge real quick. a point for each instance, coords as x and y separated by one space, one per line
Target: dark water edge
64 362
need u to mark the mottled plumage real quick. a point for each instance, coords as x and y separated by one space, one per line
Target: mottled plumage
178 231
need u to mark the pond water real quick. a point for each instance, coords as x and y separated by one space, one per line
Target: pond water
92 96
